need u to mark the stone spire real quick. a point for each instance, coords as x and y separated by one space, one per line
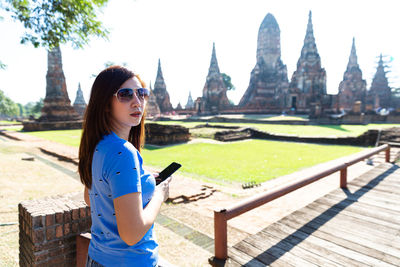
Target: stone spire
160 91
380 91
190 103
57 105
268 80
353 87
309 52
307 87
353 57
79 100
214 63
214 92
152 108
80 104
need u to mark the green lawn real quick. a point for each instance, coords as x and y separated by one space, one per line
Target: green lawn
9 122
253 160
66 137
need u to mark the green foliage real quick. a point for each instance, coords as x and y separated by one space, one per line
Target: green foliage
7 106
227 81
33 108
49 23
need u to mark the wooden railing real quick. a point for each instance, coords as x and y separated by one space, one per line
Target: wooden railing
222 216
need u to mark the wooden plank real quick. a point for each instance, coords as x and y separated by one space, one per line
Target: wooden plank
385 186
271 258
375 194
244 259
331 217
299 251
248 247
321 246
322 207
369 201
349 241
361 208
279 252
389 212
339 228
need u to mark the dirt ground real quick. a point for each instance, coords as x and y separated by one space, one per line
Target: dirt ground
192 205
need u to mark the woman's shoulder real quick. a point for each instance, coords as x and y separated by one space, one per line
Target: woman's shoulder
115 145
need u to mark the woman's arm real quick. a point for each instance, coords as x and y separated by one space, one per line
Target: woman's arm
132 220
86 196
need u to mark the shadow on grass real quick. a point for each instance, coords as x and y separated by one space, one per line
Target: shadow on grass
335 127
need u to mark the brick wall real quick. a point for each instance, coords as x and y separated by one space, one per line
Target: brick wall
48 228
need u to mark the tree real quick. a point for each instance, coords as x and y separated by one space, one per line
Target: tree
49 23
227 81
7 106
33 108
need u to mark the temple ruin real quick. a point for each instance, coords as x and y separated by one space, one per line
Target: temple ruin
268 79
161 93
379 95
214 98
307 87
56 105
79 103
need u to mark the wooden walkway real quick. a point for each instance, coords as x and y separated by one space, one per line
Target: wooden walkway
359 226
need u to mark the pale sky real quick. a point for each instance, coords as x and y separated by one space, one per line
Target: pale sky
181 33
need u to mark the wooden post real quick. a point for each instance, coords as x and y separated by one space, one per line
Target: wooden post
220 235
343 178
387 154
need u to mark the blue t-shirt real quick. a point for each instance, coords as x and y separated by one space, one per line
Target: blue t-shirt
116 171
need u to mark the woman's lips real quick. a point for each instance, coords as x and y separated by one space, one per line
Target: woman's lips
136 114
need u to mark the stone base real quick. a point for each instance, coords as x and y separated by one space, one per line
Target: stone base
54 125
157 134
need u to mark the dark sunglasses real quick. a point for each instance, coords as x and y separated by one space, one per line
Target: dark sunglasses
126 94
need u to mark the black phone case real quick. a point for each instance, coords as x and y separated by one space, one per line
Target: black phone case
167 172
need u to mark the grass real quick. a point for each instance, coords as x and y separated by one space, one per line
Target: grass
253 160
66 137
9 122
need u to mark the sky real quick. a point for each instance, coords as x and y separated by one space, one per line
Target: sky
181 32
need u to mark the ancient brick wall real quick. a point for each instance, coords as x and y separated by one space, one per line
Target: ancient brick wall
48 228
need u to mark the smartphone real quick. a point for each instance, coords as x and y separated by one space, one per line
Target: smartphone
167 172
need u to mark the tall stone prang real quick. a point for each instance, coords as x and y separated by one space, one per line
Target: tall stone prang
214 92
307 87
268 79
161 93
79 103
56 106
380 92
152 108
190 103
353 88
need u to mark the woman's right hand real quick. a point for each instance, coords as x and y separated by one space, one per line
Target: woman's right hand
163 189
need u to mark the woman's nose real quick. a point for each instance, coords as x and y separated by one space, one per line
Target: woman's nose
136 100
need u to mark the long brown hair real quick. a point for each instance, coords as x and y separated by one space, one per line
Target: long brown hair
97 118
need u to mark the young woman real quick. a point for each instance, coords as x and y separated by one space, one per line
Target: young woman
123 198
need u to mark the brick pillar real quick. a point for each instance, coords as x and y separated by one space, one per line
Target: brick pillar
48 228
